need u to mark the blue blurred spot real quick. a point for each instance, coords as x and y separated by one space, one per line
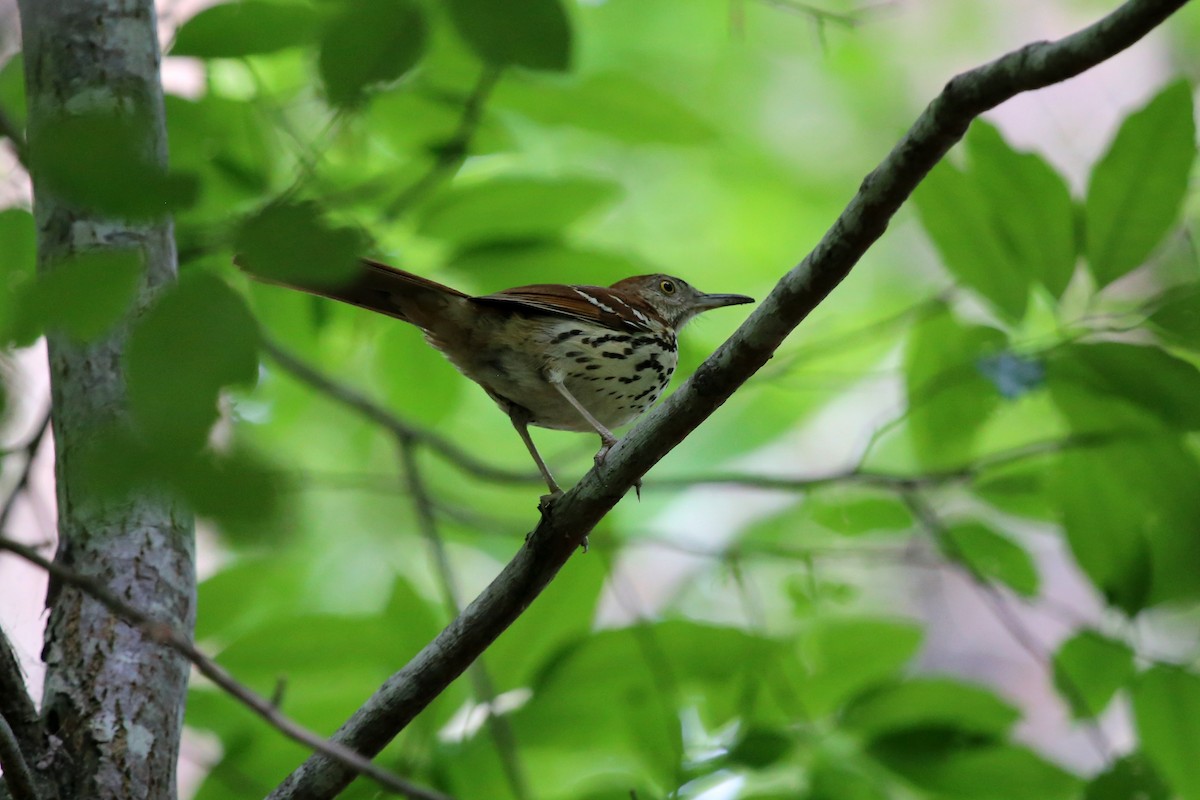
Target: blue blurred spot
1012 375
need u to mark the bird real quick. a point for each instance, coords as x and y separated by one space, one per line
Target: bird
565 357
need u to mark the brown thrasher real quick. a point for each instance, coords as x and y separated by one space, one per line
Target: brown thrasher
572 358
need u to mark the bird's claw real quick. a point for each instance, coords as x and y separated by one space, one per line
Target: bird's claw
601 454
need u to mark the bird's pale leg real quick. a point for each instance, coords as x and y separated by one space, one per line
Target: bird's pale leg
520 421
607 440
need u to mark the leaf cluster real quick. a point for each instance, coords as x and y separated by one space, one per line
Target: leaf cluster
1040 341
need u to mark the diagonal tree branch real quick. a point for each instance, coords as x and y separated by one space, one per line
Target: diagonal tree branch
481 680
404 431
565 524
168 636
1010 620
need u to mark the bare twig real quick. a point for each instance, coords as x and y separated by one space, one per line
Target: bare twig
389 421
16 705
19 716
820 16
888 480
453 152
995 600
167 636
485 689
29 449
568 520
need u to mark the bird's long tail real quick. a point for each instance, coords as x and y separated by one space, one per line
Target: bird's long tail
383 289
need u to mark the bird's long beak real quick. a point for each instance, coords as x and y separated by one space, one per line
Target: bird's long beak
709 301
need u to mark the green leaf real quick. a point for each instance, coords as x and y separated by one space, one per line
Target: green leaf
370 42
1138 186
1178 317
512 208
949 398
1129 512
1030 204
12 90
246 28
853 513
225 143
948 766
292 243
959 218
236 488
196 339
1109 386
1129 777
837 778
848 656
522 33
18 266
533 260
715 671
1018 488
104 162
361 651
759 748
84 296
929 703
993 556
1089 668
619 105
1166 708
563 614
415 376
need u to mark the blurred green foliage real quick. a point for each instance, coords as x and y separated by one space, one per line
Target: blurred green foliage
1042 343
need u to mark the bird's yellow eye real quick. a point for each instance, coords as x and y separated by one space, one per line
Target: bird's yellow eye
668 287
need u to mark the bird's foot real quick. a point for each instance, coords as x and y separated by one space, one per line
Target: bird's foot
602 453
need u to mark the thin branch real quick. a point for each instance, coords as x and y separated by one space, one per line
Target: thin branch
451 154
820 16
499 727
895 481
16 705
29 450
995 600
16 771
392 423
568 520
18 713
164 634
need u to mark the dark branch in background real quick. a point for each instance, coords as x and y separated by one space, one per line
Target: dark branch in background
499 727
16 706
450 154
29 450
573 516
18 713
167 636
896 481
819 16
390 422
994 598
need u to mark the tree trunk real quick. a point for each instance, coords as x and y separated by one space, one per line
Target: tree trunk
112 696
